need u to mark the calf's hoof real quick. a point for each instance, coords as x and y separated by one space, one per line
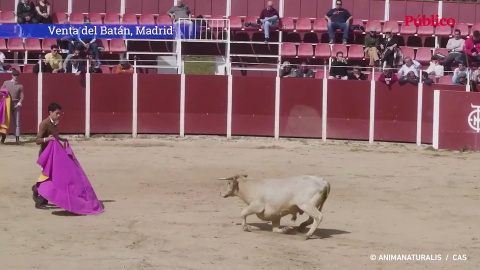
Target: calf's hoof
247 228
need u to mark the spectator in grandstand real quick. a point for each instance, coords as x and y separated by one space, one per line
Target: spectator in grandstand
461 78
94 66
304 71
388 47
85 44
472 48
75 65
75 55
15 89
372 43
269 18
53 61
410 65
455 48
2 62
387 76
462 68
181 11
426 79
43 12
286 70
26 12
338 18
476 76
435 68
339 68
357 74
411 77
124 67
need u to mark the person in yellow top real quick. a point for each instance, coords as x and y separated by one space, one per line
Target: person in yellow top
53 60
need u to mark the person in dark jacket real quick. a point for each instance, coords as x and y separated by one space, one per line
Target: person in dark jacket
304 71
339 68
357 74
388 47
26 12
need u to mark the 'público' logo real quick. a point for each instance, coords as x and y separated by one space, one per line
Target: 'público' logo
423 20
474 118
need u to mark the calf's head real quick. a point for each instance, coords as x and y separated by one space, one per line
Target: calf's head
232 185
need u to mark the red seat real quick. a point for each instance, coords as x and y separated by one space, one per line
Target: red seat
145 19
7 17
289 50
117 46
305 50
408 52
339 48
320 74
15 66
104 44
424 55
374 23
463 27
95 18
320 25
111 18
356 52
303 25
28 68
411 29
445 80
33 45
3 44
425 30
443 31
47 44
129 18
164 19
15 45
235 23
115 69
250 19
322 50
105 69
59 18
376 75
217 22
287 24
355 22
392 25
76 18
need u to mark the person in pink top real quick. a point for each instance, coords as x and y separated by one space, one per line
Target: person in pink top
472 47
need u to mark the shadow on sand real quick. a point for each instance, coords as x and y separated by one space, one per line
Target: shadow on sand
64 213
319 232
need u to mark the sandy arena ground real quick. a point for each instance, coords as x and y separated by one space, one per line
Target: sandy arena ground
164 210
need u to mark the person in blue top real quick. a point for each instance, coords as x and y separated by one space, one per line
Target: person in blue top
338 18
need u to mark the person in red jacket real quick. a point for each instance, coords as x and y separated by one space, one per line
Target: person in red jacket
472 47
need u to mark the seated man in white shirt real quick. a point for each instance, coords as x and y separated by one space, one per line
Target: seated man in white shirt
435 68
2 63
410 65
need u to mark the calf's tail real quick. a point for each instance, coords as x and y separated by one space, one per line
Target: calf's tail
325 193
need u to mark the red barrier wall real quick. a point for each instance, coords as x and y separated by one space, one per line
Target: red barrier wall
301 107
457 112
395 112
158 103
70 94
348 109
427 108
206 104
28 112
111 103
253 106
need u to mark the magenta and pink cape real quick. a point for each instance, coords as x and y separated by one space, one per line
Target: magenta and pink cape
64 183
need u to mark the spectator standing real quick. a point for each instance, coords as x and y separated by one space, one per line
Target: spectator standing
339 68
15 89
181 11
26 12
338 18
43 12
372 43
455 47
304 71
